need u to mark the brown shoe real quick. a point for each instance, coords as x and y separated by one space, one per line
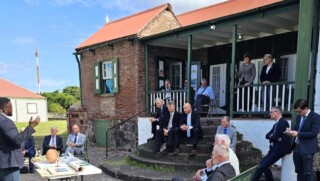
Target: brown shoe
176 151
193 152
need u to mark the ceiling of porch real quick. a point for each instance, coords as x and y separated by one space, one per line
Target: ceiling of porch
247 30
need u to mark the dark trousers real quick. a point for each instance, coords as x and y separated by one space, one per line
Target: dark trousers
160 138
30 155
154 127
201 100
195 135
271 158
303 165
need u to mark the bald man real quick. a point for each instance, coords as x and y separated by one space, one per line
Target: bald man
190 128
75 141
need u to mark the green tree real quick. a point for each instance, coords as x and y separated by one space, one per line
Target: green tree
56 108
72 90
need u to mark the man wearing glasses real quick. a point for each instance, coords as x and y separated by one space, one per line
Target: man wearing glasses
279 144
305 144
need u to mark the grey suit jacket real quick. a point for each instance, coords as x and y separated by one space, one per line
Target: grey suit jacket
81 139
248 72
232 133
222 173
10 143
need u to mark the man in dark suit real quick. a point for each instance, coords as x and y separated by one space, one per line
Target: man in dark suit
189 127
279 144
10 142
52 141
305 144
161 111
167 126
28 150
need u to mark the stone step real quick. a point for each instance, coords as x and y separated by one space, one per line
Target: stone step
122 170
211 130
249 155
243 146
210 121
180 166
146 152
246 164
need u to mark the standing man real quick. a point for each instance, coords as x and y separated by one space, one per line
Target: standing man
161 111
226 128
305 144
52 141
279 144
167 126
10 142
75 141
203 96
189 127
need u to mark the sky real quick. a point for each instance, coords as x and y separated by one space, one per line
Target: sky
56 28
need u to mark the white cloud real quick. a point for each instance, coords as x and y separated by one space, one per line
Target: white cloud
14 67
52 83
24 41
181 6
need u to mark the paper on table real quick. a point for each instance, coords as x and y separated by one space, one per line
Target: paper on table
79 165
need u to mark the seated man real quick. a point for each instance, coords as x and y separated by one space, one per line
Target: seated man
28 150
222 169
170 122
203 96
75 141
220 139
161 111
189 127
226 128
52 141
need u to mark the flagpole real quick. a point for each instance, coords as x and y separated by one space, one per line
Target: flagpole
38 70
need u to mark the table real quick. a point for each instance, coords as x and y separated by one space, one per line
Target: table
42 168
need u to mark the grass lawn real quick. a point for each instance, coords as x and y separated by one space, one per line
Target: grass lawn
43 129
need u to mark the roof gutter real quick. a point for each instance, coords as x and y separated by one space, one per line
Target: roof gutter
104 44
278 5
78 61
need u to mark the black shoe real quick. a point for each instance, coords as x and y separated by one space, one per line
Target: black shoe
31 170
151 139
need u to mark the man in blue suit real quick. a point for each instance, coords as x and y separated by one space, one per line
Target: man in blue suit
10 142
279 145
305 144
28 150
75 141
52 141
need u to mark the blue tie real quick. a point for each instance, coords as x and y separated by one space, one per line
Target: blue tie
188 124
225 130
75 139
300 126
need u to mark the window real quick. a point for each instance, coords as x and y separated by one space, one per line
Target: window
32 108
106 77
283 63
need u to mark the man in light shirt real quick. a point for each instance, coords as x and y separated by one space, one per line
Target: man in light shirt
203 96
75 141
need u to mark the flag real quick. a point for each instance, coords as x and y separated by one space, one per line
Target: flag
37 53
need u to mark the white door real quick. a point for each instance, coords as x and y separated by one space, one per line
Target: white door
176 75
218 82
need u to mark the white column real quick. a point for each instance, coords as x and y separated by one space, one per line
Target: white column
287 168
317 86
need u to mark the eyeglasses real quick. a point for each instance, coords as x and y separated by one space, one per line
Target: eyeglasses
273 111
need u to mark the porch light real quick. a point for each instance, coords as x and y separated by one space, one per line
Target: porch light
213 27
239 36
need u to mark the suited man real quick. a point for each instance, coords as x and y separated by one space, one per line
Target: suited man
279 144
189 127
167 126
270 73
28 150
10 142
305 144
52 141
226 128
161 111
75 141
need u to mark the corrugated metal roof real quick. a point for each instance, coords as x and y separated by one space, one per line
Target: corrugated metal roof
220 10
8 89
124 27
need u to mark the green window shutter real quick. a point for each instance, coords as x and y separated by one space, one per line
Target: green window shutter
115 76
97 78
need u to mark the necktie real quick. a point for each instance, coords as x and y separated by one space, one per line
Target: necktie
52 140
188 124
170 121
225 130
300 126
75 139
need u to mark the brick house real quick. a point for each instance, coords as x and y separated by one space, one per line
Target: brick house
124 63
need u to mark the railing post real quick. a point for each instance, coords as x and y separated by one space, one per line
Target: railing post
147 75
189 66
234 46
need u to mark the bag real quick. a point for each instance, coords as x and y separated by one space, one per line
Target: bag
24 170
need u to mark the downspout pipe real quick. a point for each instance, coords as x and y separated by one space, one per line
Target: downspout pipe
79 69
